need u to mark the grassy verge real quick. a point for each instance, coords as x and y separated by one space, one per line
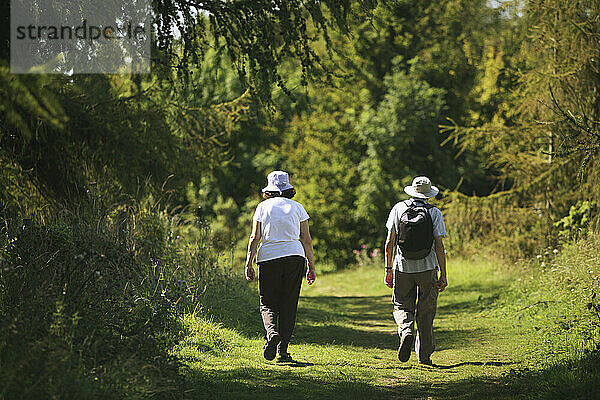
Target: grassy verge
554 307
90 307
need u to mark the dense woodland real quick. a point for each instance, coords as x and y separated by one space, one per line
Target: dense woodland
121 187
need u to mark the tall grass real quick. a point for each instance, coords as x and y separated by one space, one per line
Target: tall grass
555 303
92 302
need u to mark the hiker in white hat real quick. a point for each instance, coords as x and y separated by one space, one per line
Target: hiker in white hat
414 253
280 225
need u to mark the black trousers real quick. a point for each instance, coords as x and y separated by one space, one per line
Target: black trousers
279 282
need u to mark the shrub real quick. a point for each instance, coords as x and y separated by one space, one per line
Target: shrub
496 224
81 316
91 304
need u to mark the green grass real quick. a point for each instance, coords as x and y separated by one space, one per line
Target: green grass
346 339
88 318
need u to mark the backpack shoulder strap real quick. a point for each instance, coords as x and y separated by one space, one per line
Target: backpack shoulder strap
420 203
428 206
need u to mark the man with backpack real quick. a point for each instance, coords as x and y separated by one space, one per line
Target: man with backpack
414 251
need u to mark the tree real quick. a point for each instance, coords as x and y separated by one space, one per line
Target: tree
402 140
322 152
562 83
258 35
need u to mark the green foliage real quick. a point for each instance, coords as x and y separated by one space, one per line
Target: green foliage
257 36
499 223
531 119
90 303
578 221
555 310
322 154
26 104
80 317
402 140
402 84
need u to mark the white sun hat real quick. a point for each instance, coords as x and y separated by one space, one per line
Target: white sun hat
421 188
278 181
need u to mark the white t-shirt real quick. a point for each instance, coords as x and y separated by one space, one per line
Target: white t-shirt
430 262
279 219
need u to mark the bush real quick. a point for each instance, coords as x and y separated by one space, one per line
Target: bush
556 305
578 221
493 224
91 305
81 316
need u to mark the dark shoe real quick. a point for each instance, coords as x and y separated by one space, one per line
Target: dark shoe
405 348
284 358
271 347
426 362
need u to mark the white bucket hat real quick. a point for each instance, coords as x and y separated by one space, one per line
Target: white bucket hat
421 188
278 181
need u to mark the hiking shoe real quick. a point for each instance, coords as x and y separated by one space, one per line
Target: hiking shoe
271 347
284 358
405 348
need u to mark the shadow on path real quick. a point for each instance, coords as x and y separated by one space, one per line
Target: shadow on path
285 383
477 363
363 321
357 321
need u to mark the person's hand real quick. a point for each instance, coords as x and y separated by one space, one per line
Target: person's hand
442 283
249 273
311 276
389 278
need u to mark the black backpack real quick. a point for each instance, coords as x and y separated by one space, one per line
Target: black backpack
415 231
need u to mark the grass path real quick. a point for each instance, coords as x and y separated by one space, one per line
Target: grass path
347 339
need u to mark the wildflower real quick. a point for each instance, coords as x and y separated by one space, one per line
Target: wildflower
555 251
363 246
97 273
538 256
375 253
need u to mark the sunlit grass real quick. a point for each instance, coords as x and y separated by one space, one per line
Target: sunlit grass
346 338
346 342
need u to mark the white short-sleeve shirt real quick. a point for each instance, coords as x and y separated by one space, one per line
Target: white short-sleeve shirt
279 219
430 262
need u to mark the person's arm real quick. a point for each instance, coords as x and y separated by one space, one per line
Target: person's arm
306 241
255 238
440 252
389 258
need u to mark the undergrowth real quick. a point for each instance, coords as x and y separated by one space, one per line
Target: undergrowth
554 303
93 302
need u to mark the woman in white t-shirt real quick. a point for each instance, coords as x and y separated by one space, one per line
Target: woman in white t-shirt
280 225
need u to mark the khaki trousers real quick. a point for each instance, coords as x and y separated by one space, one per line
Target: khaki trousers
415 294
